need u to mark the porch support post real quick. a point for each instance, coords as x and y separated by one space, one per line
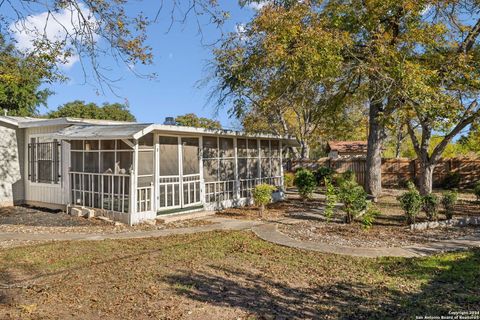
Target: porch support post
156 175
180 171
200 166
237 180
259 165
282 182
133 184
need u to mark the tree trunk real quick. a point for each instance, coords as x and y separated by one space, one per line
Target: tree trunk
305 150
425 179
374 151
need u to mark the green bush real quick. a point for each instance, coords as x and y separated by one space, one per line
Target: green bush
288 179
452 180
411 203
305 182
331 199
354 199
262 195
369 216
476 190
347 176
322 173
449 200
430 206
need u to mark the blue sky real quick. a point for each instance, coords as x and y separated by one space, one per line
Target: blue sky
180 60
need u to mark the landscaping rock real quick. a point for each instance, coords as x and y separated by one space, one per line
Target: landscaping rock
76 212
88 213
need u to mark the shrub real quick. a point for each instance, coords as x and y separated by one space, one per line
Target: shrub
305 182
322 173
476 190
449 200
430 206
331 199
262 195
411 202
288 179
452 180
354 199
347 176
369 216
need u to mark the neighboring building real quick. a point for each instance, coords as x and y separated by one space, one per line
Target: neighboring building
346 149
130 171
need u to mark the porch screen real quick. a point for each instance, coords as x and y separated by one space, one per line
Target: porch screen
168 156
219 168
44 160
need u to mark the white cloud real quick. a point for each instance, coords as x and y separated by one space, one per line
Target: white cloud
258 5
55 27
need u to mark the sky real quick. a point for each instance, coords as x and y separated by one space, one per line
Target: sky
181 57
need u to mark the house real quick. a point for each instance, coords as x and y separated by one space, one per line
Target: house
132 172
346 149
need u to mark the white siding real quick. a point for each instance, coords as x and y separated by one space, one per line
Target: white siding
11 183
38 193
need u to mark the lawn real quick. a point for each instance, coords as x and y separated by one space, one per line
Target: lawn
227 275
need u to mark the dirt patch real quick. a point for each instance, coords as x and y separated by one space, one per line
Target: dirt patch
30 220
352 235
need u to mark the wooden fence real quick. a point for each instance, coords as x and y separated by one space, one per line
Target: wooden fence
396 172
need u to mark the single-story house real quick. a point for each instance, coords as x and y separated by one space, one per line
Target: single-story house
346 149
132 172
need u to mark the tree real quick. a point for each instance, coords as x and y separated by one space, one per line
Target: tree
80 109
442 84
21 76
192 120
90 30
282 68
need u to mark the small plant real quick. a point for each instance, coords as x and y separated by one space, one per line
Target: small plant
331 199
369 216
288 179
452 180
262 195
476 190
354 199
322 173
430 206
347 176
411 203
449 200
305 182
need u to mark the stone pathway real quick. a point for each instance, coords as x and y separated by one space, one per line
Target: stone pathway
269 232
218 224
265 230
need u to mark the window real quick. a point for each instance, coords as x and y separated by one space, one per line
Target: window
44 160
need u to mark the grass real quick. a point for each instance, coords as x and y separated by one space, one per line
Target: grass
227 275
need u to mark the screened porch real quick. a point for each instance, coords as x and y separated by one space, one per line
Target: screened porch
151 172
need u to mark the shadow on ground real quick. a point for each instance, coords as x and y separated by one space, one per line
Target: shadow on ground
450 285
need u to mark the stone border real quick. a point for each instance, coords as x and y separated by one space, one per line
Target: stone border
270 233
462 222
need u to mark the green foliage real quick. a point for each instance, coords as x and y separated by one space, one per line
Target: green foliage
354 199
449 200
476 190
192 120
262 195
430 206
323 173
288 179
369 216
452 180
347 176
331 198
80 109
21 77
305 182
411 203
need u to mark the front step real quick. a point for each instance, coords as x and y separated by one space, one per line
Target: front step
179 216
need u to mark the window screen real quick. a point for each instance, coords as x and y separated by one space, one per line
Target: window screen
168 156
190 156
44 160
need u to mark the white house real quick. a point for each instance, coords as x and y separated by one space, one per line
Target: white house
132 171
